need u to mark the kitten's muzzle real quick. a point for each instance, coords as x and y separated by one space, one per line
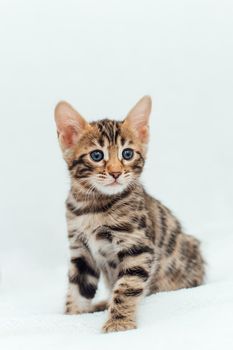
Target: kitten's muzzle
115 174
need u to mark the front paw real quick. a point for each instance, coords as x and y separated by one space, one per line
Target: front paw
72 309
118 325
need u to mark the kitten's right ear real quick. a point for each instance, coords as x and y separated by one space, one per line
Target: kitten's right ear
138 118
70 125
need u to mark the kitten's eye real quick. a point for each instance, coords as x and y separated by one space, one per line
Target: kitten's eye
128 153
97 155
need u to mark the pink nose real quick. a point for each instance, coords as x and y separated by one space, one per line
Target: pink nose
115 174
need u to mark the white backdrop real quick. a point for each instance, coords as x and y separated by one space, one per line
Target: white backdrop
102 56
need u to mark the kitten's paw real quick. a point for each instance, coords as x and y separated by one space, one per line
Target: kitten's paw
118 325
73 310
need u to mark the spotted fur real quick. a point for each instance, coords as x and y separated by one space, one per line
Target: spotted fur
124 233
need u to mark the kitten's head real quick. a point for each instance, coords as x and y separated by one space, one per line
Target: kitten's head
105 156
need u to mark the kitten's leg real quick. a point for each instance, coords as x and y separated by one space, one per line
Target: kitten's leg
100 306
134 272
83 280
183 268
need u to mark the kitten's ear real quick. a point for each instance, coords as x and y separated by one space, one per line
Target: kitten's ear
70 125
138 118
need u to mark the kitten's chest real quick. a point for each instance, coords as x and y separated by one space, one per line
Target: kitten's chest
101 241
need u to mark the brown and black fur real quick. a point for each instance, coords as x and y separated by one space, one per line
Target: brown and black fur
129 237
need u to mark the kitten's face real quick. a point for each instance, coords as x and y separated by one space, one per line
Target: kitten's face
105 156
108 158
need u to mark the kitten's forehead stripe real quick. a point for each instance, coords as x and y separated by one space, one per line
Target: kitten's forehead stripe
109 129
123 141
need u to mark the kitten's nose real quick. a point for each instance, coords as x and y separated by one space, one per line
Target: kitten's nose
115 174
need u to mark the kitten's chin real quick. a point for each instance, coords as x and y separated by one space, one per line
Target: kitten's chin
110 189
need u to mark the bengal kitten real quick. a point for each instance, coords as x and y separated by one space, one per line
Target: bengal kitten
114 226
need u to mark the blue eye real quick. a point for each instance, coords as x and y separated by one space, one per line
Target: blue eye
127 153
97 155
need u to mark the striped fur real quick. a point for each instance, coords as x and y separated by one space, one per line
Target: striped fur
128 236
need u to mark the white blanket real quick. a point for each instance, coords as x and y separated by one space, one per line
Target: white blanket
32 299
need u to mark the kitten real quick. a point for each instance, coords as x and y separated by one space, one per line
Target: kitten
114 226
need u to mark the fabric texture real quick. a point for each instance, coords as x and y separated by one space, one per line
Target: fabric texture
32 298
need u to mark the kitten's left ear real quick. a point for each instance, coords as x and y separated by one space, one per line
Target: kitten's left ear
138 118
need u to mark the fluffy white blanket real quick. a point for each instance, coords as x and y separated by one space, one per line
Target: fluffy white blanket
200 318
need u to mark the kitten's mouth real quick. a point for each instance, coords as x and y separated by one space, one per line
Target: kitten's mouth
111 188
114 183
